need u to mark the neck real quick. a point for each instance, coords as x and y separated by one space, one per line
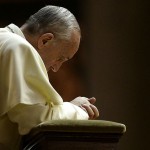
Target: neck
30 38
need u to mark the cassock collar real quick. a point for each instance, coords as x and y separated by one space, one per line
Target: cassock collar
15 29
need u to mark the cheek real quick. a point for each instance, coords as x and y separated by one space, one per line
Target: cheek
50 62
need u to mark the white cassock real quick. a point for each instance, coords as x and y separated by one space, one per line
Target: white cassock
26 96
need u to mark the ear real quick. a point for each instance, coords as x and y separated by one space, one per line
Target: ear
44 39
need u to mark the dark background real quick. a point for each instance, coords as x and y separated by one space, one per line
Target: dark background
112 63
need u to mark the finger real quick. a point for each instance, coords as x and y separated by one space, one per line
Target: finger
95 110
83 108
89 111
92 100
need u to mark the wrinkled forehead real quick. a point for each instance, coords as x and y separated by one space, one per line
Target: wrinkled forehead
75 40
71 46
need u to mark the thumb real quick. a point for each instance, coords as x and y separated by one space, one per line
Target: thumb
92 100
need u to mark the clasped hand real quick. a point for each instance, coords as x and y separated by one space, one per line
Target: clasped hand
87 104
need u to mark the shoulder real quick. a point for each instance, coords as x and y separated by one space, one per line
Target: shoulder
14 40
13 43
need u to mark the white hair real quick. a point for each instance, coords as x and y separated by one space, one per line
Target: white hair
57 20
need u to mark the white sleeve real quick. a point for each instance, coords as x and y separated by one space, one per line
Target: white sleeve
28 116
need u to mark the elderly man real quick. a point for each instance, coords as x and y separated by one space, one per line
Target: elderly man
48 38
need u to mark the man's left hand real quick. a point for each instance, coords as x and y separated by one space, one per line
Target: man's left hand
87 104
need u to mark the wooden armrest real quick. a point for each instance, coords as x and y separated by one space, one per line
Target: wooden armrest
74 135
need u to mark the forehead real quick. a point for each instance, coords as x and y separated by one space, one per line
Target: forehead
71 46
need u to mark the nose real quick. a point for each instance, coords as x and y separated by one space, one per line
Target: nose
56 67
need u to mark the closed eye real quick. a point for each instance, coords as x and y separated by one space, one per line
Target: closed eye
62 59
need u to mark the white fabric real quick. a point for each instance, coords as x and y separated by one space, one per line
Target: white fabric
26 96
